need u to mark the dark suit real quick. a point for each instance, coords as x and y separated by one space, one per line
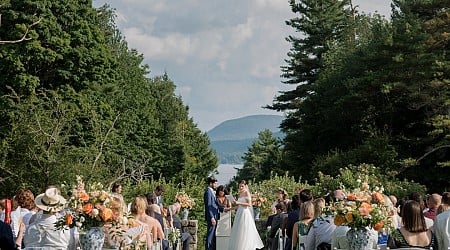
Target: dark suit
185 236
211 212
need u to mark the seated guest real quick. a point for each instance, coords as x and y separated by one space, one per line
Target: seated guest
433 202
6 237
42 233
176 222
442 224
414 232
138 208
292 218
445 203
415 196
276 224
322 228
301 227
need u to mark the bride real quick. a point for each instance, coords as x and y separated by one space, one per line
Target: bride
244 235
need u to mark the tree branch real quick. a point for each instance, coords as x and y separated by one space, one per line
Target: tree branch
104 141
430 152
24 37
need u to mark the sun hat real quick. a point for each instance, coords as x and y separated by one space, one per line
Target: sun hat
50 201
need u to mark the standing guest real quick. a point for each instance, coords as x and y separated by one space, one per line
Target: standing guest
301 227
2 209
42 232
23 202
221 193
116 190
276 224
292 218
442 224
433 202
282 196
159 191
415 196
414 232
445 203
211 213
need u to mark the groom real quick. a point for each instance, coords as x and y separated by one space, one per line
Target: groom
211 212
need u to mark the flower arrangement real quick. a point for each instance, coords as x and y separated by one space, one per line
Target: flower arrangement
88 208
362 208
174 235
185 200
258 200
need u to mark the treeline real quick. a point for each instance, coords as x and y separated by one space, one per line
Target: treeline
76 100
364 89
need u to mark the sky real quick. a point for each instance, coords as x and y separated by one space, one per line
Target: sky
223 56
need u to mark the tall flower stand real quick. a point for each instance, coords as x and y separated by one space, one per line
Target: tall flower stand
185 214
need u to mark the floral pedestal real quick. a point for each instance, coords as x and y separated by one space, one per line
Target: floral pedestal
358 239
185 214
256 212
93 239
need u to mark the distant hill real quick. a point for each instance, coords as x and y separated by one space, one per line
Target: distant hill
232 138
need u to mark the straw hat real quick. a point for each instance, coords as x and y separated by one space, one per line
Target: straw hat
50 201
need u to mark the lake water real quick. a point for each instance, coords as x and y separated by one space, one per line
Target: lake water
227 172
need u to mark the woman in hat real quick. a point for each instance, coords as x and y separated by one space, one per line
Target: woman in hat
42 232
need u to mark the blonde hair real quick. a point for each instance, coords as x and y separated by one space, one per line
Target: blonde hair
139 205
319 204
307 210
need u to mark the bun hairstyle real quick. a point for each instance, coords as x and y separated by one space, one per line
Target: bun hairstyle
243 182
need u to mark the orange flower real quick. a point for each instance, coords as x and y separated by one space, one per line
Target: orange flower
378 226
351 197
68 219
106 214
338 220
378 197
349 217
365 209
87 208
84 197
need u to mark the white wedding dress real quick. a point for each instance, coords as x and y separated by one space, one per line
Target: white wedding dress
244 235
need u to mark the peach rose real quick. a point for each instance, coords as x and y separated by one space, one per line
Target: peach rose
378 197
84 197
338 220
378 226
351 197
349 217
365 209
106 214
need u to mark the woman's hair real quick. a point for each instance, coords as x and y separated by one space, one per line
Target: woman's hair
319 204
307 210
442 208
446 198
151 198
243 182
115 186
139 205
412 217
221 188
25 199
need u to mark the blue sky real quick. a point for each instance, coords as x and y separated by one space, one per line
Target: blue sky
223 56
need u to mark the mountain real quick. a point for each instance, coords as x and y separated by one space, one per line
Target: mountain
232 138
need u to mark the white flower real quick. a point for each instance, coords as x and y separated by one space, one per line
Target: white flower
82 219
78 224
95 212
358 180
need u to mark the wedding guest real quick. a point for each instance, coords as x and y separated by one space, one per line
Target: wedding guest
2 209
433 202
414 232
276 224
185 236
301 227
138 208
159 191
292 218
445 203
6 237
23 202
442 224
281 196
42 232
415 196
321 230
116 190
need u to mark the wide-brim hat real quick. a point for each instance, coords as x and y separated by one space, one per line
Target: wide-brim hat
50 201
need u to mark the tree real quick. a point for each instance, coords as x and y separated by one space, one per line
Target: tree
262 158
